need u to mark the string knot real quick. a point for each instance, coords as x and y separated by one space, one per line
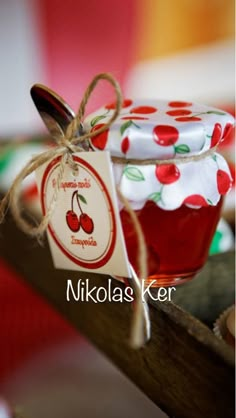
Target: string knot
75 140
66 143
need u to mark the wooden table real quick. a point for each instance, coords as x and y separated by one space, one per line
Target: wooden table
184 369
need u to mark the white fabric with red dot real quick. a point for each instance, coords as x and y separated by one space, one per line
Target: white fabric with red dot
166 130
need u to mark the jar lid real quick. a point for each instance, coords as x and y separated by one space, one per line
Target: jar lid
165 130
159 129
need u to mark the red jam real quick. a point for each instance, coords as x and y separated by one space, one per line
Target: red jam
177 240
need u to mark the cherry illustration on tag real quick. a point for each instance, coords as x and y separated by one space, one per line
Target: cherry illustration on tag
84 231
74 221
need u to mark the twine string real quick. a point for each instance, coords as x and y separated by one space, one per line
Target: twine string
73 127
75 140
12 197
175 160
140 328
66 144
142 249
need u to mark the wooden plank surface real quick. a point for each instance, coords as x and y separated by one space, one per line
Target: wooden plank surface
184 369
212 291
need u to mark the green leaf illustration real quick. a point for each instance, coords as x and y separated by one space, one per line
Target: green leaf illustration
133 174
135 124
156 196
125 126
95 120
182 149
82 198
210 202
215 112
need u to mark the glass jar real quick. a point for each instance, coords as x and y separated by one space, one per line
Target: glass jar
177 200
177 241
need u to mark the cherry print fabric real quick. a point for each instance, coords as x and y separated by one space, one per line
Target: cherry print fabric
165 130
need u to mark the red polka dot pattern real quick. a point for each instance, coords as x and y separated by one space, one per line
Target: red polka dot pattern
179 104
196 200
134 118
167 130
179 112
188 119
144 109
126 103
223 182
228 129
167 173
125 145
165 135
216 135
100 140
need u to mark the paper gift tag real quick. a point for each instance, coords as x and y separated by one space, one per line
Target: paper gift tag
85 231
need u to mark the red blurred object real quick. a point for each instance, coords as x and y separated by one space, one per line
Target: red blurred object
83 38
229 138
227 147
31 192
28 324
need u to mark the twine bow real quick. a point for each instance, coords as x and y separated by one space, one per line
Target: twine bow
67 144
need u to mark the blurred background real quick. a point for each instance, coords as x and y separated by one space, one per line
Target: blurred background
163 48
177 49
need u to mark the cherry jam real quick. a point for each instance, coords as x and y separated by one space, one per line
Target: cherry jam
177 240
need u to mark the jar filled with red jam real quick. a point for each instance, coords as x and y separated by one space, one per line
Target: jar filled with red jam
173 177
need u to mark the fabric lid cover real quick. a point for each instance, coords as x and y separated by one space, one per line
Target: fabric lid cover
147 129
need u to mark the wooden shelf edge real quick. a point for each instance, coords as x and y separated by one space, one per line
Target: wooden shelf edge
184 369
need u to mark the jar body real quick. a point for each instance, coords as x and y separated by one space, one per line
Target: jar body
165 151
177 241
